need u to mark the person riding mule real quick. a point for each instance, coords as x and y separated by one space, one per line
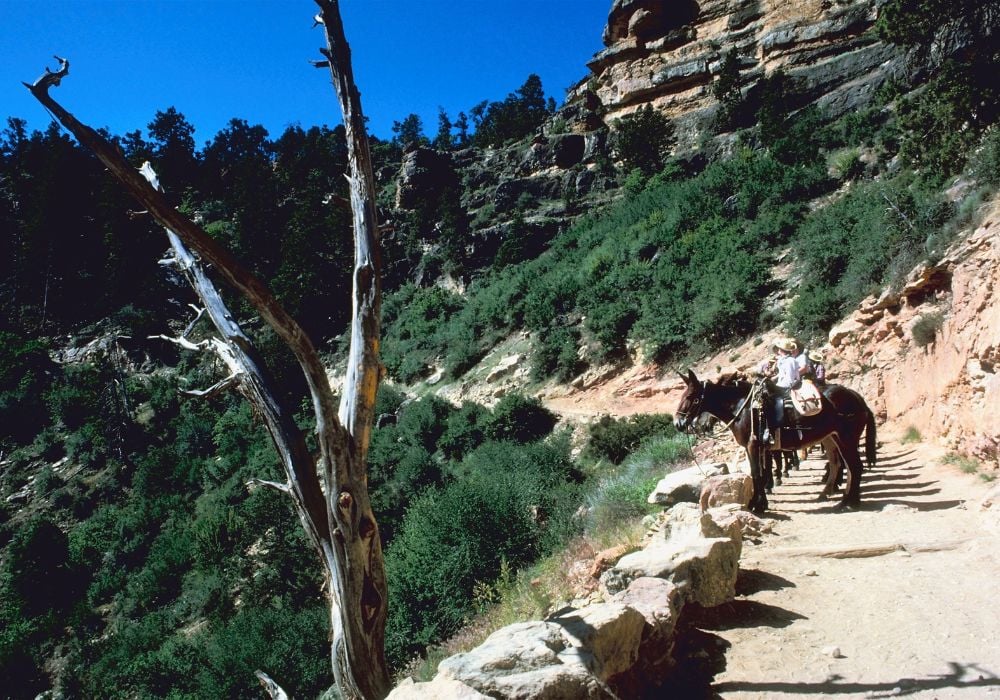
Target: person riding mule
839 426
787 376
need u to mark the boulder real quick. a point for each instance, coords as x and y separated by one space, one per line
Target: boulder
527 660
684 484
605 636
704 569
659 602
724 489
436 689
735 522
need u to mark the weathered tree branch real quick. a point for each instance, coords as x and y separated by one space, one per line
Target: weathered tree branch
217 388
283 488
270 687
48 78
331 497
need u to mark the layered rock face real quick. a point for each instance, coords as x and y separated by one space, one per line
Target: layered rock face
928 355
668 54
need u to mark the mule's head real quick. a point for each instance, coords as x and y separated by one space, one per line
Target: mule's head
690 406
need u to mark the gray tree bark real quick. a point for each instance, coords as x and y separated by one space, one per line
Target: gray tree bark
330 494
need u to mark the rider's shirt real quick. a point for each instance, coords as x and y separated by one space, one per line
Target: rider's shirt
788 372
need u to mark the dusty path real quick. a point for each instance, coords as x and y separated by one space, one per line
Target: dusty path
911 610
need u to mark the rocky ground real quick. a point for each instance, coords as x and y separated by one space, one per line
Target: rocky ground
897 598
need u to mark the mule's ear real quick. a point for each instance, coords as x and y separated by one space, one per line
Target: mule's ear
691 379
682 376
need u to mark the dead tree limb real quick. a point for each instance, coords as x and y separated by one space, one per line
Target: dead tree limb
331 496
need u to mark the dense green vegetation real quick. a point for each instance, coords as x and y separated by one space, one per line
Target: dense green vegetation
134 558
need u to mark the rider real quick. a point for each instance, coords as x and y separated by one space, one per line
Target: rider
787 377
818 370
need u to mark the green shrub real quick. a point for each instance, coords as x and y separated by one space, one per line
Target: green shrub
622 496
941 123
925 329
643 140
556 354
846 164
25 375
985 161
456 537
464 431
520 419
614 439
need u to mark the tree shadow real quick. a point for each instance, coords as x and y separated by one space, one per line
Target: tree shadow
961 675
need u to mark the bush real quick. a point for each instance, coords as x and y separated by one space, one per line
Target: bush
643 140
925 329
520 419
25 375
614 439
985 162
461 535
622 495
556 354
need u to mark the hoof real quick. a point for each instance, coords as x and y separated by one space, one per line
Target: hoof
845 505
822 497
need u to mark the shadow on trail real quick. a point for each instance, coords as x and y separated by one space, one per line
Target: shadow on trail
960 676
699 656
738 614
750 581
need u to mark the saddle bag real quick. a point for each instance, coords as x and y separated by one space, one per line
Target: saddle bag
807 399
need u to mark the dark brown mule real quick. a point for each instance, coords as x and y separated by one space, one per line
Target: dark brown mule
839 426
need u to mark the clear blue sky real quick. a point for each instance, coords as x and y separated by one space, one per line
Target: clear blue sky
218 59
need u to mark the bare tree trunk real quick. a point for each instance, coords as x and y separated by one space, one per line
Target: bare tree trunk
331 496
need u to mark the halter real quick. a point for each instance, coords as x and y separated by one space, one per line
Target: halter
756 388
696 404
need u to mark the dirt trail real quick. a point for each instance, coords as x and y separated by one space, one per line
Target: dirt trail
910 610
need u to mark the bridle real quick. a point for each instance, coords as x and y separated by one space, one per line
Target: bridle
695 408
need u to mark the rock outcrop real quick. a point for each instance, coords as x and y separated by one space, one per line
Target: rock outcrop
928 354
669 54
616 648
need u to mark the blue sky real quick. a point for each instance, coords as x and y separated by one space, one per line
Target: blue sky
218 59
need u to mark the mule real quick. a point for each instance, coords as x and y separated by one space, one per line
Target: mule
839 426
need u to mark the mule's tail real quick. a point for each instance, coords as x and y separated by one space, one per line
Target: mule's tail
871 442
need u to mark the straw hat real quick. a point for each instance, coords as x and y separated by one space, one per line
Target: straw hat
816 355
786 344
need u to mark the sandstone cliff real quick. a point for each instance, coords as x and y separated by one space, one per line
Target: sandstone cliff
669 54
927 355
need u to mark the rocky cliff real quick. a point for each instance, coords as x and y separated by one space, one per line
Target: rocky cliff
669 54
927 355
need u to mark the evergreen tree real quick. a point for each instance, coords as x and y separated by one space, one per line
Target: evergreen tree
409 131
444 141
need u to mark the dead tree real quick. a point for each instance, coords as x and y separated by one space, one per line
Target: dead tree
329 492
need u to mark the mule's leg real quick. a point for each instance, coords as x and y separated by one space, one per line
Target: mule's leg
758 502
778 459
849 456
830 471
791 461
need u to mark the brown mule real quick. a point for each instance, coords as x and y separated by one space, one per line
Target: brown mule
839 426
